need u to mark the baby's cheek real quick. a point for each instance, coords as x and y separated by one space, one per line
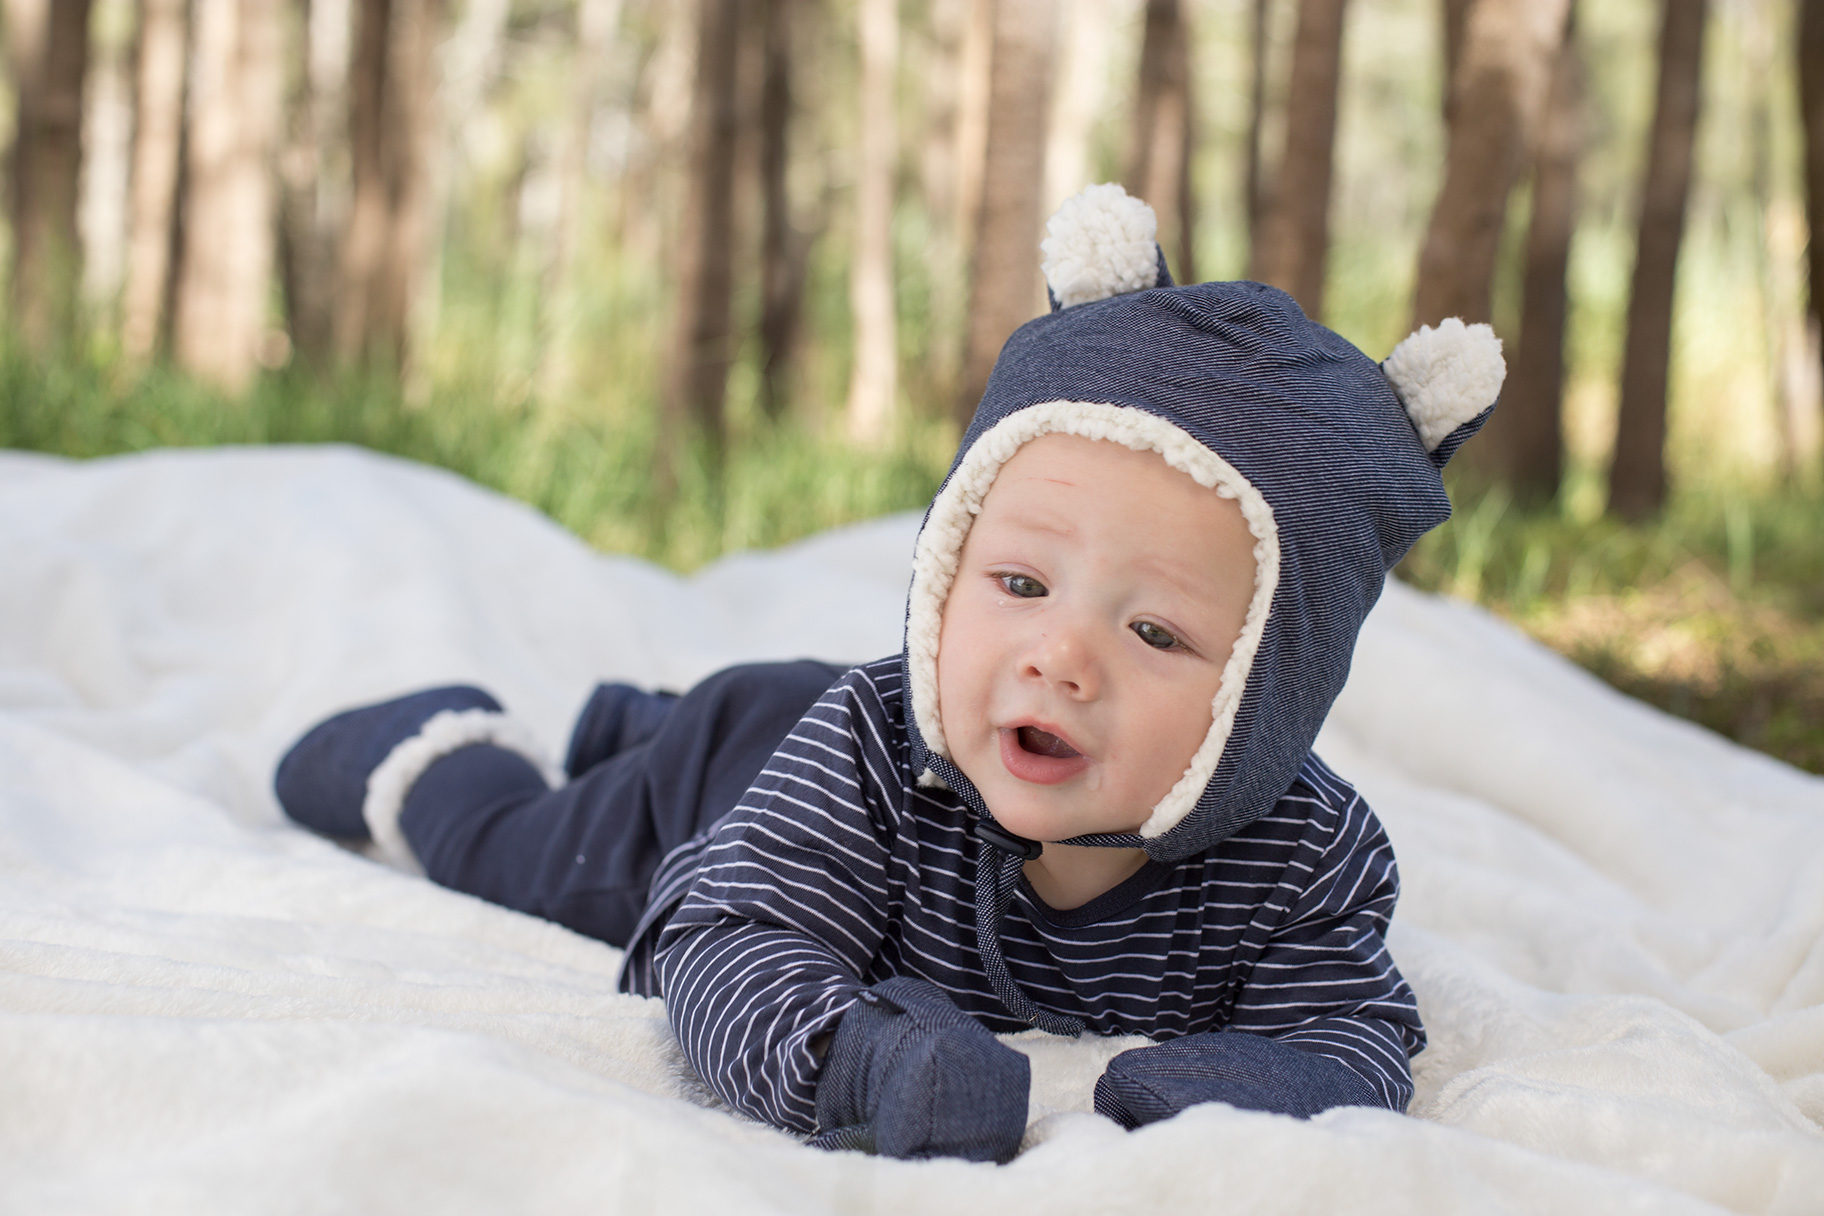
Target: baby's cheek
1173 746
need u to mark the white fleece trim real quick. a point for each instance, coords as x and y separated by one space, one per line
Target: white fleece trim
940 545
442 733
1100 243
1446 376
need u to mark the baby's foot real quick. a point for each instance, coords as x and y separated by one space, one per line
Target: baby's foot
322 781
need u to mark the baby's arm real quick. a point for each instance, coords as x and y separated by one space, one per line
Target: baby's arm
760 966
1325 1019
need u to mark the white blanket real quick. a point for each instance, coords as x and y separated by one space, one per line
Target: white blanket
1614 921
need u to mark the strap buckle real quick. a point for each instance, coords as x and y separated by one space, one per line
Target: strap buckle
989 832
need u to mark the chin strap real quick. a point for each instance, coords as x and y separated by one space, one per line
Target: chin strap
997 873
997 869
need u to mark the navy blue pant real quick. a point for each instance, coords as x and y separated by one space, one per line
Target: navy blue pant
482 820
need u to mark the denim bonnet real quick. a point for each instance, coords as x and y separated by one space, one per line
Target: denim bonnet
1334 459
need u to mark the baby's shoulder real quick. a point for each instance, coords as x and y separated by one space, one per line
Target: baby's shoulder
1320 810
862 715
877 688
1318 785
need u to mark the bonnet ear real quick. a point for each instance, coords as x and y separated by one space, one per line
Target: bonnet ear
1101 243
1448 379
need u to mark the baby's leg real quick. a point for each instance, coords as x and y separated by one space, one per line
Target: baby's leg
482 819
613 719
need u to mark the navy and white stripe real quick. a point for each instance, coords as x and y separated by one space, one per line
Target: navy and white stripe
836 871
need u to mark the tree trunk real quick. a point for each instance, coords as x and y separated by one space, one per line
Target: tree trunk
48 44
416 157
1004 282
1254 179
782 249
157 146
473 58
1523 442
973 101
305 256
364 239
1456 23
1637 480
226 271
1498 94
873 379
107 156
596 24
1163 135
1082 60
952 127
1295 234
470 61
1798 371
941 110
1810 52
697 378
652 186
392 138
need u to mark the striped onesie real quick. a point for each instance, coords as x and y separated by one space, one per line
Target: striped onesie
837 871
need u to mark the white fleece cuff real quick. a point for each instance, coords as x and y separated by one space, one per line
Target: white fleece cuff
443 733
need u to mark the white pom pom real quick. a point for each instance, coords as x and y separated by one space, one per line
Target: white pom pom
1446 376
1100 244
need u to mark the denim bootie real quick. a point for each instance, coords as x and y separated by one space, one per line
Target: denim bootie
323 780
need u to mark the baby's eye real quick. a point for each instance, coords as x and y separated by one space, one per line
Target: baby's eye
1024 586
1156 636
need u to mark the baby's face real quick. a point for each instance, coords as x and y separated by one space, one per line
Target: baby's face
1097 598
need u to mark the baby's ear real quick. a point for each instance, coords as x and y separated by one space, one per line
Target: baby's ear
1101 243
1448 379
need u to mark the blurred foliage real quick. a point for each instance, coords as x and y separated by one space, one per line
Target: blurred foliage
587 469
1714 613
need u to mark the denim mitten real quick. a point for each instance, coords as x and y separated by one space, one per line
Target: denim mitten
1151 1083
908 1074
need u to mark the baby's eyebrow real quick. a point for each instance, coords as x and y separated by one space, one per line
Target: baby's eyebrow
1194 582
1055 525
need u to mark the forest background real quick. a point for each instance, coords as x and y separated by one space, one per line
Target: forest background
698 275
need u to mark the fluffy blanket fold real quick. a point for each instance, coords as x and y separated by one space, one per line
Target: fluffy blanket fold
1614 921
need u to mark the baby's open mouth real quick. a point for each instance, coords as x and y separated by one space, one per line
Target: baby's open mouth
1044 743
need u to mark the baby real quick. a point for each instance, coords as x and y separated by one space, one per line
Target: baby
1082 798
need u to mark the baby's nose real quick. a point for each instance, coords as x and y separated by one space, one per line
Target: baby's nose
1065 660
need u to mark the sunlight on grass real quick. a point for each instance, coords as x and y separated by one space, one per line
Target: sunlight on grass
1714 613
590 469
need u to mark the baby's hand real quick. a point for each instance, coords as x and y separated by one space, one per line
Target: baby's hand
908 1074
1245 1070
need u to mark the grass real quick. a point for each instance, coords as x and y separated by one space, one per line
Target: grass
589 468
1715 612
